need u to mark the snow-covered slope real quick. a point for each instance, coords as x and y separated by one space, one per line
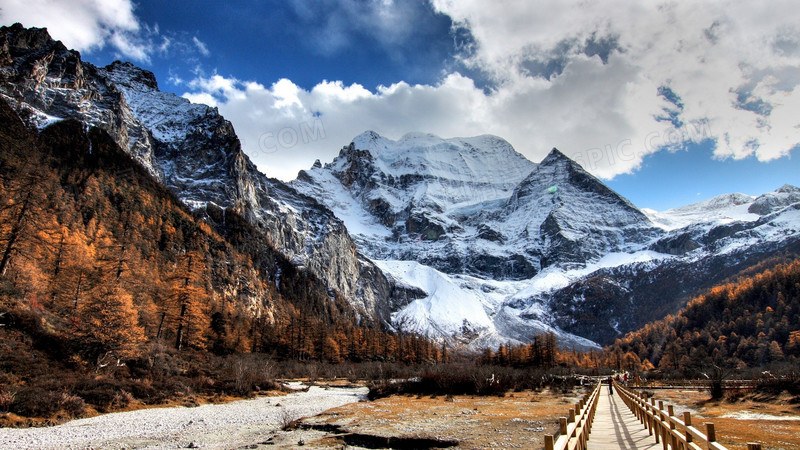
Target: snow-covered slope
484 312
722 209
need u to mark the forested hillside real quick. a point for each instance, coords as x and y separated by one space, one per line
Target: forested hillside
104 273
752 322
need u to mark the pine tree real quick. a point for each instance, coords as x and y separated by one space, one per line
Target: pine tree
109 324
187 302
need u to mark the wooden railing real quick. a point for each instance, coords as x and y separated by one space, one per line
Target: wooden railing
574 429
669 430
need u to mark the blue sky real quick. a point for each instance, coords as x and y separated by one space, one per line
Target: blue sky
669 103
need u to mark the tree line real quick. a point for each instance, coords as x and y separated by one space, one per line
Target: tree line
752 322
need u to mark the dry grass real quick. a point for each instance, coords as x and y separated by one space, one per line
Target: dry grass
735 433
518 420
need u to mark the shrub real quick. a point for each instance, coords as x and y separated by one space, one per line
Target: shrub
72 404
7 399
104 394
33 402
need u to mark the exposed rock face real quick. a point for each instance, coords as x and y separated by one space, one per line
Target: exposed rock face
191 149
42 78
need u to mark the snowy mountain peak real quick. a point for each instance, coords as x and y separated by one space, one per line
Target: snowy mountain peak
370 140
554 156
443 171
721 209
427 146
726 208
560 177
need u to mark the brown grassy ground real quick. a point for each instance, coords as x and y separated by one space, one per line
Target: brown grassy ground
749 423
518 420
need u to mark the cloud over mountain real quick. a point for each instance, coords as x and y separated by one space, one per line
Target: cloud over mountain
609 84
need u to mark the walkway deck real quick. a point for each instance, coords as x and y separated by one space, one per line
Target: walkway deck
615 426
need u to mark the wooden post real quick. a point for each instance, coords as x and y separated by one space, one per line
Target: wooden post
672 440
660 427
549 442
753 446
711 434
571 416
687 420
563 425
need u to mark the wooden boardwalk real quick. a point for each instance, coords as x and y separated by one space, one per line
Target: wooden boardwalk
615 426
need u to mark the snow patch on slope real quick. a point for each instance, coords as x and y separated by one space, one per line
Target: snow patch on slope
360 223
447 310
490 312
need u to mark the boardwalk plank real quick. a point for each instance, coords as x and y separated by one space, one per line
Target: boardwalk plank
615 426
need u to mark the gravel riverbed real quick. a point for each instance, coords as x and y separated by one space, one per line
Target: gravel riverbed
229 425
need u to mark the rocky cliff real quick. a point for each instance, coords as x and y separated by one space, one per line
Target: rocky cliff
190 148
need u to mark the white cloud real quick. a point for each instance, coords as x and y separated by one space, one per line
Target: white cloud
201 46
535 115
85 25
706 52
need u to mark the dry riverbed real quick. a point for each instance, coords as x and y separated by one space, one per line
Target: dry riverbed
518 420
232 425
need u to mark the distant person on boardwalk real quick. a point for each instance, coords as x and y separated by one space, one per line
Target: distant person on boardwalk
610 386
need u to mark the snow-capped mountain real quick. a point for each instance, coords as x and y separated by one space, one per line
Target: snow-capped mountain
474 225
503 249
408 199
472 205
726 208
